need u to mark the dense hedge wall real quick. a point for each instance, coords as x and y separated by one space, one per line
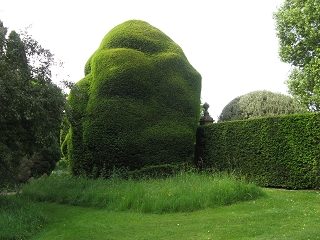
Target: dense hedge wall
274 151
138 104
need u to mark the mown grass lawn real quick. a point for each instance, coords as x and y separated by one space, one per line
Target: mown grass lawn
282 214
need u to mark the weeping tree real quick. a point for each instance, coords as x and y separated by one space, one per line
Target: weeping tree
138 104
260 104
31 108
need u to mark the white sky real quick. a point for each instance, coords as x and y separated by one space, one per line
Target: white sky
231 43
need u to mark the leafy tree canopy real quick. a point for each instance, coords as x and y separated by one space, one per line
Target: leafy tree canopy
260 104
31 107
297 25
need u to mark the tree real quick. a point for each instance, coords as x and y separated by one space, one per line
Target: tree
13 69
31 107
3 33
297 26
137 105
260 104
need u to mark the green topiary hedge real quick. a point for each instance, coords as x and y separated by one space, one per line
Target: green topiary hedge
138 104
274 151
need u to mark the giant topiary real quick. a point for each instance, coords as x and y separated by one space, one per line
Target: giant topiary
137 105
260 104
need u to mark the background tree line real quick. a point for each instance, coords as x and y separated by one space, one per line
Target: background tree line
31 107
297 26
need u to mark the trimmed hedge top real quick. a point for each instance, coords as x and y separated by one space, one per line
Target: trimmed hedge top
137 105
140 36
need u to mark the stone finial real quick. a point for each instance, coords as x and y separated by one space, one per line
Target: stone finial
206 119
206 106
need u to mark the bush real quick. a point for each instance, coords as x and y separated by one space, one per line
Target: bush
274 151
259 104
158 171
138 104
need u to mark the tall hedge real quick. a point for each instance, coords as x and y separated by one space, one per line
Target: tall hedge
279 151
137 105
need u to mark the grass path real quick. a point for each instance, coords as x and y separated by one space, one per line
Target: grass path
281 215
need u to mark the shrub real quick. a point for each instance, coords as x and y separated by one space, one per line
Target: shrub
258 104
158 171
138 104
273 151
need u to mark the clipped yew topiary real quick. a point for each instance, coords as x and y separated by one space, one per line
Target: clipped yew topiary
138 104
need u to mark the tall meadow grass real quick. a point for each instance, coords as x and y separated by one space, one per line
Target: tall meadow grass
184 192
19 218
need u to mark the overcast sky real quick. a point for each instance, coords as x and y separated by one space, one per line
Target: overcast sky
231 43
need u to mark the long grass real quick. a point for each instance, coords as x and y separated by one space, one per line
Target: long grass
282 214
19 218
185 192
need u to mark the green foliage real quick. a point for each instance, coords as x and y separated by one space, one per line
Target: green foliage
137 105
19 218
258 104
183 192
158 171
273 151
201 111
297 25
31 107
